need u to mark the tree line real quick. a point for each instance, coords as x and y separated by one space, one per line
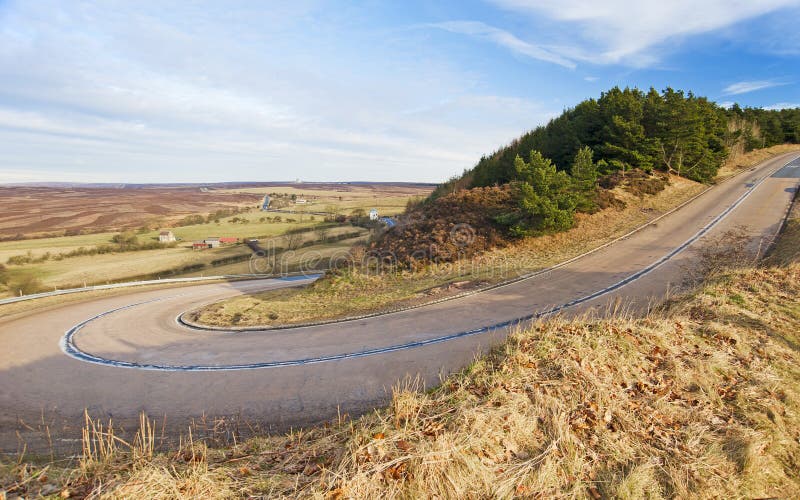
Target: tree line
554 169
627 129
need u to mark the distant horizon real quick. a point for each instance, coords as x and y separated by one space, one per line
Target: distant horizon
191 184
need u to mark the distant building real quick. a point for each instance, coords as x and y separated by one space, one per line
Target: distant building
200 245
265 203
300 201
225 240
166 237
373 214
213 242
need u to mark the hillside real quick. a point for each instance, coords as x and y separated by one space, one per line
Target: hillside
700 399
537 184
628 129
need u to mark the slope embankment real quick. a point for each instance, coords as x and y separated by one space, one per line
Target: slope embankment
698 399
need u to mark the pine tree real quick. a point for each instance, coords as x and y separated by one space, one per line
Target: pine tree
545 199
584 171
584 179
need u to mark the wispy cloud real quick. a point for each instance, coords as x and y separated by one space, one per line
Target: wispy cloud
783 105
134 92
630 31
504 39
153 95
749 86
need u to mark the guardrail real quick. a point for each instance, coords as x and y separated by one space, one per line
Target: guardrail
54 293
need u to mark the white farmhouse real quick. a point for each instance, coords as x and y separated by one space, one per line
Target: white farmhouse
166 237
373 214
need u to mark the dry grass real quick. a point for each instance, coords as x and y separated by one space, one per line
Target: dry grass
387 199
739 161
785 249
699 400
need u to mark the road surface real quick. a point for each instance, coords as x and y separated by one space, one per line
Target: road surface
120 355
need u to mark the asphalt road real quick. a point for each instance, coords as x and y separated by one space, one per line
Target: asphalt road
120 355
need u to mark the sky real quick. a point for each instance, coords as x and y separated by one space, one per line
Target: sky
141 91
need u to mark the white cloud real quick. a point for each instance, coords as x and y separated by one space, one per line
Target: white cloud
504 39
782 105
234 94
749 86
726 104
591 79
628 31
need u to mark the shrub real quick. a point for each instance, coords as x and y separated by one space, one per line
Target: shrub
18 260
453 225
127 238
606 199
190 220
26 284
642 185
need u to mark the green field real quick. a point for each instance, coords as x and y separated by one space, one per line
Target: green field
254 228
164 262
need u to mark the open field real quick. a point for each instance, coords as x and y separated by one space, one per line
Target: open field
31 211
177 261
388 199
247 223
698 400
255 227
43 211
319 253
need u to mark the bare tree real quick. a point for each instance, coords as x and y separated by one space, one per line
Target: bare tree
293 240
323 232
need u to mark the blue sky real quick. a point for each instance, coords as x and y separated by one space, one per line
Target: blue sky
322 91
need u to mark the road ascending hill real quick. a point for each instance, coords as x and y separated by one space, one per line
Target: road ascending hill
124 354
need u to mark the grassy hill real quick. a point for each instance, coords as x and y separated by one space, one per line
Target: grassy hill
628 129
700 399
539 182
